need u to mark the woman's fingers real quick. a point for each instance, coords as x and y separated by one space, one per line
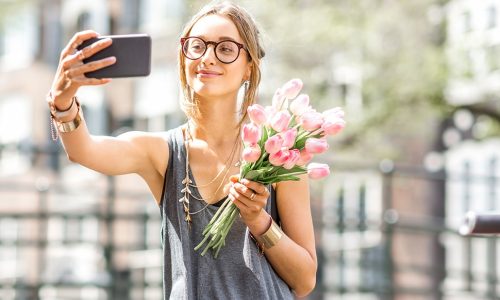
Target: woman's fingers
73 69
77 40
70 73
93 48
257 187
247 198
77 57
92 81
92 66
246 206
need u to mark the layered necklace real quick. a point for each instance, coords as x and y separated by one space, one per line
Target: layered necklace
188 183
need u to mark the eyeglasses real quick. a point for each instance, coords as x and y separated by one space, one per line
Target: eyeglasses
226 51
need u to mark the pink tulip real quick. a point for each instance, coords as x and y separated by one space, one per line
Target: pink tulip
279 100
251 153
279 158
257 114
333 126
334 121
305 157
251 133
273 144
289 136
292 159
280 120
311 120
316 146
300 105
292 88
336 111
317 171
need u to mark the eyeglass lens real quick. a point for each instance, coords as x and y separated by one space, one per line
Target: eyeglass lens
225 51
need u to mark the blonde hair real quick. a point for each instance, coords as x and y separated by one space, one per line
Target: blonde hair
248 31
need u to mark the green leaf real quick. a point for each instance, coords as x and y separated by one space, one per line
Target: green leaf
253 174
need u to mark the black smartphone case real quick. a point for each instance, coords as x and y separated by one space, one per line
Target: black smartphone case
132 52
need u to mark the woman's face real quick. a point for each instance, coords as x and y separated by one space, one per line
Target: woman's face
209 77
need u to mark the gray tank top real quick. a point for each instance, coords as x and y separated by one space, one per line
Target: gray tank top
239 272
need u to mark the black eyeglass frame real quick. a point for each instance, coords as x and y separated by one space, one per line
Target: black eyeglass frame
215 44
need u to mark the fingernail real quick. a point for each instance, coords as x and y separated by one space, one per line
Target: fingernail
111 59
244 181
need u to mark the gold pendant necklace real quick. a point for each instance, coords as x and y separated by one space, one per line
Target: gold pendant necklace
187 182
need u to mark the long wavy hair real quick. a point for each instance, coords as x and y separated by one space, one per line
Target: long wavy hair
248 31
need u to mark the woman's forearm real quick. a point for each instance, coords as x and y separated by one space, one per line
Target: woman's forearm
294 264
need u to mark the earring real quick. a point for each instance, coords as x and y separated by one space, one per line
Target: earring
246 85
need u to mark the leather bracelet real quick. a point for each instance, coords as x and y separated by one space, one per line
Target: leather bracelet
57 113
271 237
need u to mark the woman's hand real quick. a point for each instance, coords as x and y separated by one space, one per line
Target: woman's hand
251 197
70 72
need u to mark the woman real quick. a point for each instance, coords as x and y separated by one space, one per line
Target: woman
219 53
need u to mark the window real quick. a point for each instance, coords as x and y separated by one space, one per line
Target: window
2 46
19 40
12 109
491 17
467 21
83 21
493 58
467 64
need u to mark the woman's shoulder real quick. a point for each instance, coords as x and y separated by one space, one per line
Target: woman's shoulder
156 145
146 137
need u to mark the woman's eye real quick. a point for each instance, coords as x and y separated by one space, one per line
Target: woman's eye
196 48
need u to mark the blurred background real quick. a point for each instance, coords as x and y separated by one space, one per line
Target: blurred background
419 81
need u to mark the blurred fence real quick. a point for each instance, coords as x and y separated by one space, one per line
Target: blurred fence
88 242
381 232
391 232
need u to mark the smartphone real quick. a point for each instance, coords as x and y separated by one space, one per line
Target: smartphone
132 52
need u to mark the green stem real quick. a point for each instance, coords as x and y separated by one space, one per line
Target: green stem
215 217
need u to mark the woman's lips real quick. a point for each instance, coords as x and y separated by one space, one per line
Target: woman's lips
207 74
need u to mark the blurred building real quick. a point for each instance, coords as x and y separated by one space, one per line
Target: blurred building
472 158
65 231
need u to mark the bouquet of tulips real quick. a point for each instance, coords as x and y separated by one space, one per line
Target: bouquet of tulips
279 142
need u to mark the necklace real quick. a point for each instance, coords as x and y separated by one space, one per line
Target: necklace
226 163
189 183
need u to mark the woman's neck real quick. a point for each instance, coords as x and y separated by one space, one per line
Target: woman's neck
218 121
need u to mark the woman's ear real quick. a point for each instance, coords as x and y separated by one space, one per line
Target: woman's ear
248 72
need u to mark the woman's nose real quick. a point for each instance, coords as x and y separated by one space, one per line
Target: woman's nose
209 55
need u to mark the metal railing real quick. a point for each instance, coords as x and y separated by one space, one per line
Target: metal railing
39 227
414 252
372 243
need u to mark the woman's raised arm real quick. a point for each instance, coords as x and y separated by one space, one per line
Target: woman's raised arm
128 153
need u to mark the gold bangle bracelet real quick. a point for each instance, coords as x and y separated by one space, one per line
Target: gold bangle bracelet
271 237
72 125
